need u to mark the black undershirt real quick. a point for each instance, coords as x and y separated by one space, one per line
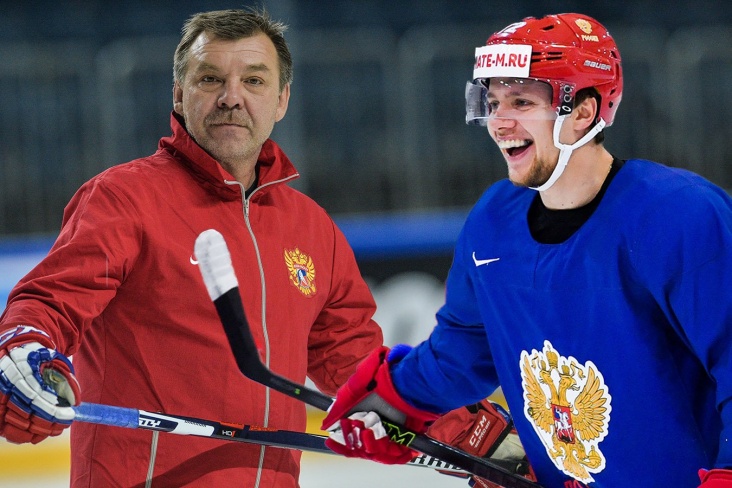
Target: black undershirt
556 226
254 184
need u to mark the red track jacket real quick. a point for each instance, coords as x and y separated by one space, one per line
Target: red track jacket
120 291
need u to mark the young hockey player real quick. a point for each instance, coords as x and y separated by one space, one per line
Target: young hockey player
595 291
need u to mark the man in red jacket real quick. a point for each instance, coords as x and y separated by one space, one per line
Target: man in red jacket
120 289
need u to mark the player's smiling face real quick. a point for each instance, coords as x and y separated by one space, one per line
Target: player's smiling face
521 121
231 98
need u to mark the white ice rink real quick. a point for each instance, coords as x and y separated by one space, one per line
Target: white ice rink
318 470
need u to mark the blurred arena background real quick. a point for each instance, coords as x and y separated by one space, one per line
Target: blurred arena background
375 126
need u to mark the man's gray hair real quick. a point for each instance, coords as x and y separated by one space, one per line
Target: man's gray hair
232 25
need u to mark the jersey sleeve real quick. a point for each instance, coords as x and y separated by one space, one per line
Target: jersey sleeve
454 366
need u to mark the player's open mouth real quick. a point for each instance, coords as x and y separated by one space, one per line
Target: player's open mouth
515 147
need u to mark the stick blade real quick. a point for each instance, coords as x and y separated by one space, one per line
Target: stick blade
214 262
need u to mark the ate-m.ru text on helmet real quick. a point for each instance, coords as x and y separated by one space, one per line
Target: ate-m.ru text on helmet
570 52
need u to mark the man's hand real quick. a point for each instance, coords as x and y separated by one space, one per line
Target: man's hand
715 478
37 387
354 419
483 430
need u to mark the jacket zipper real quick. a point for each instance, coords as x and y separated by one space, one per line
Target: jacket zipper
245 202
153 455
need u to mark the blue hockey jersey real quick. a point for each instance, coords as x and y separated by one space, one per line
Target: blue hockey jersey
613 348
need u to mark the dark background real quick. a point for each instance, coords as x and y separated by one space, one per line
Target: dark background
376 120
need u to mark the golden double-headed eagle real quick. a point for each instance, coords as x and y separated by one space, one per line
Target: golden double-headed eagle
570 424
302 271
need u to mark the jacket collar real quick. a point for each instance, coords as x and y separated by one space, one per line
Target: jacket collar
273 164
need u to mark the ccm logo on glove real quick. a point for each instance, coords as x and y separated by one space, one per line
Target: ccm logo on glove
483 424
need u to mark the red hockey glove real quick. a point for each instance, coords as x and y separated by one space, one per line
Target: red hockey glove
715 478
483 430
37 387
354 419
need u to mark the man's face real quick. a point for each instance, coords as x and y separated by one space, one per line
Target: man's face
521 124
230 98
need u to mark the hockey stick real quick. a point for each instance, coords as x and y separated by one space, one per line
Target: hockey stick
131 418
223 288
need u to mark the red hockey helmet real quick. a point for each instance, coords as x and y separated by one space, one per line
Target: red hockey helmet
569 51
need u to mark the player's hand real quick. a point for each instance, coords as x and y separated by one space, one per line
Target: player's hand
37 386
483 430
715 478
354 419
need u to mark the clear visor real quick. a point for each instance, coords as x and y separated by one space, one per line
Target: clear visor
516 98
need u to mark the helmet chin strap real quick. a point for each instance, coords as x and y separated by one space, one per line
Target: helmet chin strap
565 150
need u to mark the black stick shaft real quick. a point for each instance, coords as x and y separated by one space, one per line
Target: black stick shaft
132 418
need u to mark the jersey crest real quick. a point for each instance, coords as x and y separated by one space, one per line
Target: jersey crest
568 404
301 271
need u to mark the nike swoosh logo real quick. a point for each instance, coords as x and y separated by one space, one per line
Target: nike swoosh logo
481 262
194 262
